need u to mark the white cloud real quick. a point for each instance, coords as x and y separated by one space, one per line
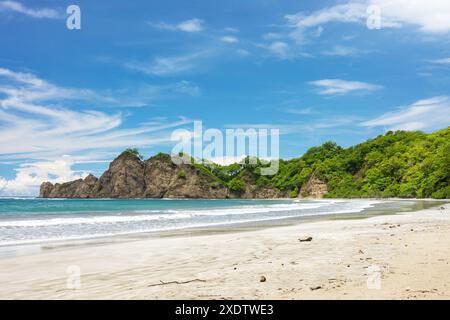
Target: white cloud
272 36
29 176
323 123
143 94
36 123
348 37
18 7
243 52
229 39
302 111
187 87
280 49
429 16
425 74
427 114
191 25
165 66
231 29
339 86
443 61
341 51
349 12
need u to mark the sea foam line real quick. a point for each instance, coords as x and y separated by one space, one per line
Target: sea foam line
155 215
184 214
148 230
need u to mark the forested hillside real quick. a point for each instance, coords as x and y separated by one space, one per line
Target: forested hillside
398 164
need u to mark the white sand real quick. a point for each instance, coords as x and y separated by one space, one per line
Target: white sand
412 252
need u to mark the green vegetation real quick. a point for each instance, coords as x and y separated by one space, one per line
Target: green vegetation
131 152
398 164
293 193
181 174
162 156
236 185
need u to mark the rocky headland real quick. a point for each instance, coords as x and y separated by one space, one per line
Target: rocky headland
128 176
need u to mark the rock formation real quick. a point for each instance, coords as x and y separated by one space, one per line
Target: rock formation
158 177
314 188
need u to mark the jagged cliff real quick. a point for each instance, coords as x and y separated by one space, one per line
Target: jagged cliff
158 177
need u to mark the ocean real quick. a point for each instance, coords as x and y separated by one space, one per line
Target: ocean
34 220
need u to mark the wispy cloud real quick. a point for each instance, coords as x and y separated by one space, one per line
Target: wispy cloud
40 13
191 25
38 125
148 94
35 121
231 29
443 61
348 12
342 51
429 16
427 114
280 49
324 122
339 86
242 52
186 87
165 66
300 111
229 39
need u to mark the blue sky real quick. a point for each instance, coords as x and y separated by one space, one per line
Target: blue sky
70 100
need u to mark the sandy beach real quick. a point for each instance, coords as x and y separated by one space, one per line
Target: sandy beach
402 256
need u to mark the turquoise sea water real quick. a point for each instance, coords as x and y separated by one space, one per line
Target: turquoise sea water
32 220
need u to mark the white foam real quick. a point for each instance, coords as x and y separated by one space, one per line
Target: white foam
159 215
149 230
24 231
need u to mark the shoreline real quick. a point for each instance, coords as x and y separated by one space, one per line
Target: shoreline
281 198
41 245
229 266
